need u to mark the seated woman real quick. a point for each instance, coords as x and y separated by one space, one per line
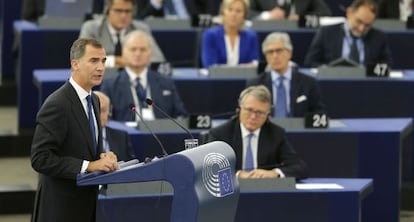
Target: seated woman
230 43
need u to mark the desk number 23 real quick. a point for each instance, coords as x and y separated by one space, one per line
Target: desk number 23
203 121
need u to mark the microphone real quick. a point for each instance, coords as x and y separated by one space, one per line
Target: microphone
151 103
134 109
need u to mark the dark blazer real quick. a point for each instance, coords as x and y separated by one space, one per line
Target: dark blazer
389 9
145 9
303 7
33 9
274 149
119 143
196 7
163 93
98 29
213 48
300 85
61 141
327 44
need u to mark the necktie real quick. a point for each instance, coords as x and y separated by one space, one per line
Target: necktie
169 7
91 120
354 53
141 93
281 105
118 47
248 164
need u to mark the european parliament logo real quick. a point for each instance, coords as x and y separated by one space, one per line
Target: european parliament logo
217 176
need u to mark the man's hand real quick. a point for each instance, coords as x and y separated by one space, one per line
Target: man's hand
108 162
258 173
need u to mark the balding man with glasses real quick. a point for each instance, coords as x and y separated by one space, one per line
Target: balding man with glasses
261 147
294 94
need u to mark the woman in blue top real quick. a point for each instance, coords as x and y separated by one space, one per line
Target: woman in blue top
230 43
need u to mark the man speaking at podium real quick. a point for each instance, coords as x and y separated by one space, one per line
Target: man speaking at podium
67 141
261 147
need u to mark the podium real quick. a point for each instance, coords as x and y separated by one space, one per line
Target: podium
203 179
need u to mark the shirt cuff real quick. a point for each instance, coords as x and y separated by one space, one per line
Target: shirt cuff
279 171
110 61
85 164
265 15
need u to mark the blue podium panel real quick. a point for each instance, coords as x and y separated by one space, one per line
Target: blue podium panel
204 181
322 205
358 148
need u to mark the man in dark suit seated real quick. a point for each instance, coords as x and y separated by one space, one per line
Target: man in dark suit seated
113 140
392 9
113 26
287 9
261 147
293 93
355 39
137 82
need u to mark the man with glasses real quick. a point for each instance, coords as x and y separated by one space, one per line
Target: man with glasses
261 147
293 93
355 39
112 28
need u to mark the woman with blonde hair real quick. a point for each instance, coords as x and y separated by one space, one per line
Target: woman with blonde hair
230 43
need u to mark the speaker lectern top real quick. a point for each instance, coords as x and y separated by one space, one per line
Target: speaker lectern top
203 178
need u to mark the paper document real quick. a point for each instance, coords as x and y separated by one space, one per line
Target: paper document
315 186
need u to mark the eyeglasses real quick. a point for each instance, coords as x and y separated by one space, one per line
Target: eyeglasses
120 11
258 113
277 51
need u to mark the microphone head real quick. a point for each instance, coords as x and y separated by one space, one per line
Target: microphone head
132 107
149 101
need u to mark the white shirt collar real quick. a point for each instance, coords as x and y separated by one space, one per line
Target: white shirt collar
133 75
82 94
245 132
288 74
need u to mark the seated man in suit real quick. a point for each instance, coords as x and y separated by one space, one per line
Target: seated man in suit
287 9
355 39
261 147
294 93
112 28
136 83
391 9
114 140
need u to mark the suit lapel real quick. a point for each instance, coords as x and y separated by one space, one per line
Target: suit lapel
238 143
295 88
97 112
80 116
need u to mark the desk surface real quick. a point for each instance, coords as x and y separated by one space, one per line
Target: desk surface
322 205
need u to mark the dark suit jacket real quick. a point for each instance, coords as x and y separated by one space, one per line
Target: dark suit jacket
213 48
303 7
145 9
61 141
119 144
389 9
327 44
273 148
196 7
300 85
98 29
163 93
